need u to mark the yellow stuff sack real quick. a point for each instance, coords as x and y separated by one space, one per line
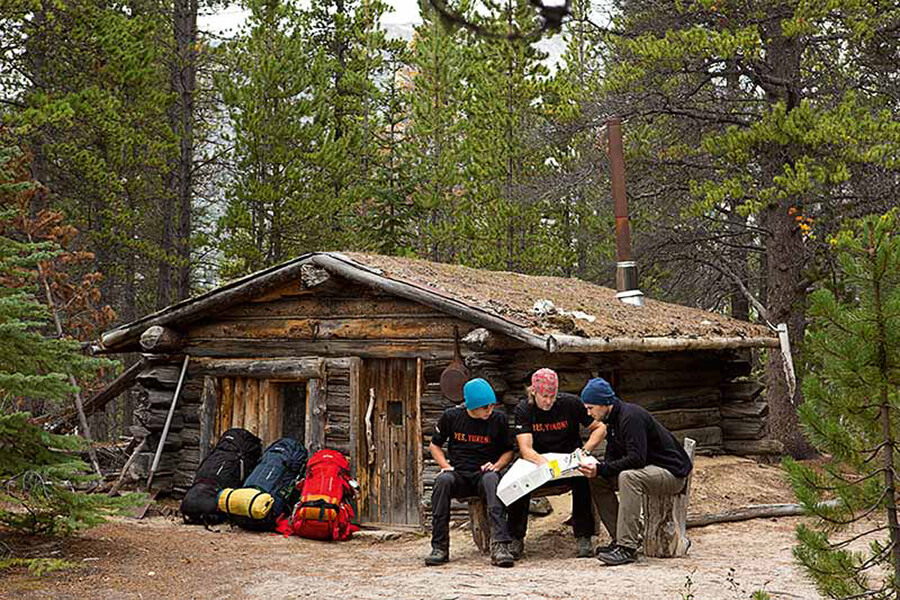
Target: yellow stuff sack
245 502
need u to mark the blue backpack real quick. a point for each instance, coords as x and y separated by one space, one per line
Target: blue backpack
282 465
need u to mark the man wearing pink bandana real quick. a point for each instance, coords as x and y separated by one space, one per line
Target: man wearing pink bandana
547 421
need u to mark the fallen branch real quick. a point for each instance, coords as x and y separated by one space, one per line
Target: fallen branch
755 511
63 422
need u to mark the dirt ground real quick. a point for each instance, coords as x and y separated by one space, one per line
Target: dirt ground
158 557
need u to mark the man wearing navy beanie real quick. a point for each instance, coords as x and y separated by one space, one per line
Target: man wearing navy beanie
642 457
479 447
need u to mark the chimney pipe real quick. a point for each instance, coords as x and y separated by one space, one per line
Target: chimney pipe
626 269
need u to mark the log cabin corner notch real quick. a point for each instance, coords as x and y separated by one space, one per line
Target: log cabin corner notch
346 351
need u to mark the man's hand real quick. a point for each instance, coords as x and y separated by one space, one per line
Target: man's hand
447 468
588 470
489 467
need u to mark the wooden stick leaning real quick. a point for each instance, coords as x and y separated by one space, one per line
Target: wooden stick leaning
115 486
165 431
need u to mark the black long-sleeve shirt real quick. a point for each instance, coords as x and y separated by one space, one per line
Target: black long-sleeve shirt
634 439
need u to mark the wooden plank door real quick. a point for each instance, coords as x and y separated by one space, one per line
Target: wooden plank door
392 479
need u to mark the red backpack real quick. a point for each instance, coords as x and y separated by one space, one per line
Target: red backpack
325 511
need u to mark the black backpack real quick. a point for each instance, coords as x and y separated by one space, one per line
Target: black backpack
236 454
283 464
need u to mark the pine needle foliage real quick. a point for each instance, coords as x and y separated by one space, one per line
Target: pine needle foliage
39 472
852 415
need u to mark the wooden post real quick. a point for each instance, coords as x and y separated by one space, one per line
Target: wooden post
315 415
208 402
665 519
478 521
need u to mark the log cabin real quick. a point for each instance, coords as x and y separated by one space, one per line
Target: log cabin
347 351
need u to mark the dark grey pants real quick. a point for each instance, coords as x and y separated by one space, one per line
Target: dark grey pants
460 484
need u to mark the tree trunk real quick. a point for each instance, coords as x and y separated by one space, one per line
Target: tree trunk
185 31
786 254
887 434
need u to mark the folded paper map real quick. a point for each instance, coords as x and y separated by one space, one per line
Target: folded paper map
523 477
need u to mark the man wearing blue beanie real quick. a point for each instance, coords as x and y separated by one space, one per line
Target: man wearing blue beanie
479 448
641 457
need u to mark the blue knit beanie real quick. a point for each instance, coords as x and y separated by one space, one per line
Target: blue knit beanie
598 391
478 393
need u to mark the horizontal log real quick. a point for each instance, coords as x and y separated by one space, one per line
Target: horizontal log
570 343
190 436
742 391
643 381
156 399
743 429
160 376
338 328
737 410
688 418
241 348
706 437
738 368
754 447
482 339
191 414
320 305
155 420
289 368
160 339
668 399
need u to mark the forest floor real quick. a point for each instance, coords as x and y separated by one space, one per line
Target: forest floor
159 557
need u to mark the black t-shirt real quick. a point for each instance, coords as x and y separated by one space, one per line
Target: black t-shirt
554 430
472 442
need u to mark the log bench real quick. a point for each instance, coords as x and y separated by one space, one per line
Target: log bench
665 517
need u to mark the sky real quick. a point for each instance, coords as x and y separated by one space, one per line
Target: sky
225 21
398 23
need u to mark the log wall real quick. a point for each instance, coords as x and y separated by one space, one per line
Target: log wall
699 394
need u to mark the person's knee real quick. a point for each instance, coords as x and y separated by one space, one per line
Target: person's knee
491 478
444 480
629 479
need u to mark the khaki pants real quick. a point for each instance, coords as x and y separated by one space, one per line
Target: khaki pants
622 515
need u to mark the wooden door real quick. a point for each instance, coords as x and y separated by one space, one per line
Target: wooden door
391 440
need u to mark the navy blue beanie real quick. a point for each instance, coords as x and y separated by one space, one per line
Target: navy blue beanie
478 393
598 391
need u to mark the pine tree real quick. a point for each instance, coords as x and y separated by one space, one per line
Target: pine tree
851 414
88 93
437 122
38 471
746 121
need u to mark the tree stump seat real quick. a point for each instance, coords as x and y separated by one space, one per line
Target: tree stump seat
665 518
480 523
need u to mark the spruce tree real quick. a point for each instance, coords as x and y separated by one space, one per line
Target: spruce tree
851 415
38 471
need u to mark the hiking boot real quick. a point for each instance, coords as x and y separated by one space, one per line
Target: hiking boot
500 555
583 547
620 555
438 556
517 548
607 548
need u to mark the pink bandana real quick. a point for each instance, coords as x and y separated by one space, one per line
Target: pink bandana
545 382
